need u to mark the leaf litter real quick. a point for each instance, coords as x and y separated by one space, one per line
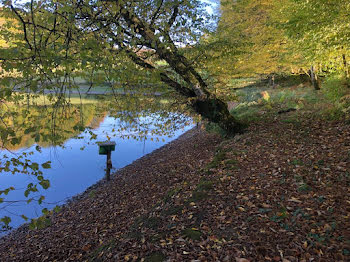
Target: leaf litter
279 192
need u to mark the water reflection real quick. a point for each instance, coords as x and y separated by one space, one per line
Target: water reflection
68 145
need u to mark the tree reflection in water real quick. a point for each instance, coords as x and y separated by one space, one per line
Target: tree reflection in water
38 142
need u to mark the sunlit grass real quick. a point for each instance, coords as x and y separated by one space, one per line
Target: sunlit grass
41 100
260 100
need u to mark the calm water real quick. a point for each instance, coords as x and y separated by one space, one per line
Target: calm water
76 165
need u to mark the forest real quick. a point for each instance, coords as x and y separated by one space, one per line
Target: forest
264 173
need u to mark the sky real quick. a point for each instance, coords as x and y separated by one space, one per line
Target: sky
213 4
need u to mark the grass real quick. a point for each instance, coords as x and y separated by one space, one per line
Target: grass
258 101
41 100
242 82
248 112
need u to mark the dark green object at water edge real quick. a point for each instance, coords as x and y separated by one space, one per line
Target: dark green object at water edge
105 147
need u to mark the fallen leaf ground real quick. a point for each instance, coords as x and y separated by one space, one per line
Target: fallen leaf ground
279 192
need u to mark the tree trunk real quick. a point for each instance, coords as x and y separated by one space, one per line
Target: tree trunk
271 80
346 70
216 111
314 80
203 102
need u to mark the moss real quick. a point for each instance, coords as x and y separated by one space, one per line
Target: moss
143 221
214 129
149 222
204 185
192 234
218 158
201 190
198 195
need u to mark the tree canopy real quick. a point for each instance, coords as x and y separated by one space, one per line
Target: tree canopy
60 40
280 37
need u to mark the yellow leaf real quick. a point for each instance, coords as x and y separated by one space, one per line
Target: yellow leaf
305 244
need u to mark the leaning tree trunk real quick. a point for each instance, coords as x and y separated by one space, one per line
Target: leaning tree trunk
216 111
207 105
202 101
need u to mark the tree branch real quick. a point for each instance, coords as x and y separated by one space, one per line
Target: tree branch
24 26
156 13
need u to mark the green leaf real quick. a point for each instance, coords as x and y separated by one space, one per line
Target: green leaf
37 138
46 165
57 209
29 130
15 141
41 200
6 220
26 193
45 184
32 224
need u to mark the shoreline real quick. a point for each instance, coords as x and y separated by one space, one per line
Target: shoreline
102 182
124 176
99 183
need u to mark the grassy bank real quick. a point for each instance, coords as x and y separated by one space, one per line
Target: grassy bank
256 99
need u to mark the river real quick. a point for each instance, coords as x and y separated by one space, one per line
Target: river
75 163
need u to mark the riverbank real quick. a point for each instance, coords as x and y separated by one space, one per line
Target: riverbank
279 192
107 209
